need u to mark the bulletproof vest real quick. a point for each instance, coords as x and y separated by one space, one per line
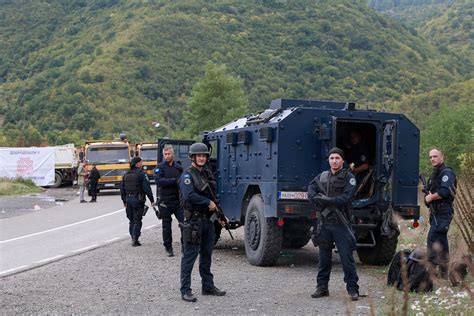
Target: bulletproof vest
201 186
334 185
132 182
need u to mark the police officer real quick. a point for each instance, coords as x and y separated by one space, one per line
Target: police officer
94 177
332 192
442 189
134 187
357 156
198 229
167 174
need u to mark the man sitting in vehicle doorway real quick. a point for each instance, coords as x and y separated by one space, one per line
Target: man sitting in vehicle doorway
358 157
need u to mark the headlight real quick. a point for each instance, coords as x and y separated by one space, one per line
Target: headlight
144 167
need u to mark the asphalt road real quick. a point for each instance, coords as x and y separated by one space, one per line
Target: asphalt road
37 238
120 279
77 258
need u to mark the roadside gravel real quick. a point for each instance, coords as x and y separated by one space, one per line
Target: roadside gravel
120 279
11 206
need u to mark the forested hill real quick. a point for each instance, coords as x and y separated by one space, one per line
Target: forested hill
414 13
75 69
453 31
445 118
448 24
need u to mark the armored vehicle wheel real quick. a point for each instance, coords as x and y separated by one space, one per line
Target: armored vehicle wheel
382 253
263 237
58 179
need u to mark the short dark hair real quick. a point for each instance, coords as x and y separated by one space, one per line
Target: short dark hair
134 161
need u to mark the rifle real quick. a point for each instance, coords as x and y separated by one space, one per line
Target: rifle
426 192
218 214
342 218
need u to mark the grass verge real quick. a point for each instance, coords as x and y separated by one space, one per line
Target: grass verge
17 186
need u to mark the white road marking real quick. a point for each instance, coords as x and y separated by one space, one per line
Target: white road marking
85 248
49 259
60 227
151 226
112 240
12 270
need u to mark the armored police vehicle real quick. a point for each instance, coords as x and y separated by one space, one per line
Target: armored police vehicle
264 163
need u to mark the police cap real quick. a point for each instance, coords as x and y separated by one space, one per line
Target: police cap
134 161
198 148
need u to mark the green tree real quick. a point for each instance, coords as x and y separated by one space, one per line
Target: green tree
215 99
451 130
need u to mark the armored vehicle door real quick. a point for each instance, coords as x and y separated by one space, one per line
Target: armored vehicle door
325 131
389 146
181 149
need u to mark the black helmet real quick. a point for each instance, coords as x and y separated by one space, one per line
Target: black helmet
134 161
198 148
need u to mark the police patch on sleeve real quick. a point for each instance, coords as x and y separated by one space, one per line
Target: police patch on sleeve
444 178
187 179
352 181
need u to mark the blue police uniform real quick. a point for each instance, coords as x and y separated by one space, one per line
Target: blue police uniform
335 192
196 205
134 188
167 192
442 181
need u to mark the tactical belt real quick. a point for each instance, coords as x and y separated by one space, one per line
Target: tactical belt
441 204
194 214
168 198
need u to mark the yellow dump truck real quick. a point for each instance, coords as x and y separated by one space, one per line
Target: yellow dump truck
149 154
112 159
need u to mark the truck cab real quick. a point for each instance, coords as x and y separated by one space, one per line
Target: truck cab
148 152
263 164
112 159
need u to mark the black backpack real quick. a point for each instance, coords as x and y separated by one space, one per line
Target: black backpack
418 277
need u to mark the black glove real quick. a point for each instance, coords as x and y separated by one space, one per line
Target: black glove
322 199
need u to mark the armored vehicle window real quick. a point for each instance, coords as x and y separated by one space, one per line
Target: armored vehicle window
214 148
183 151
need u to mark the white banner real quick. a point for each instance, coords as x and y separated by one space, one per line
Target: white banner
33 163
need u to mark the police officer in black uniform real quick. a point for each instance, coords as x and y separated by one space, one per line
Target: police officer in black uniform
332 192
167 174
357 155
442 189
134 187
198 228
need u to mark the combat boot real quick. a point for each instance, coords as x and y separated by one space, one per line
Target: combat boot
354 296
214 291
135 243
189 297
169 252
320 293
